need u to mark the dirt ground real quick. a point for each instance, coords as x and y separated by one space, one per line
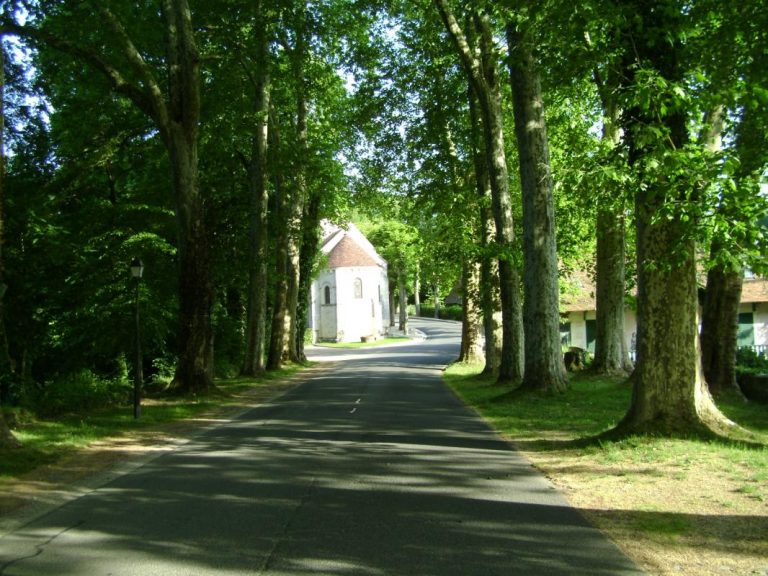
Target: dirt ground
688 519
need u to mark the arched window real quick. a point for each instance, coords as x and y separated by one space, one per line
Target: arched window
358 288
327 294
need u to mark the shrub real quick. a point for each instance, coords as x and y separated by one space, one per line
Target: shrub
748 361
163 371
81 391
451 312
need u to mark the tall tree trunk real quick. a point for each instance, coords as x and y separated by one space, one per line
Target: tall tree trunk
296 207
669 394
611 353
472 322
544 368
481 72
280 332
720 313
490 299
392 288
402 301
309 247
194 372
176 112
256 324
7 439
416 290
179 126
720 326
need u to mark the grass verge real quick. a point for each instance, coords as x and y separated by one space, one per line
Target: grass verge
677 506
372 344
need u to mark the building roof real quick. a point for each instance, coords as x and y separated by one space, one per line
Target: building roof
348 247
347 253
754 290
577 292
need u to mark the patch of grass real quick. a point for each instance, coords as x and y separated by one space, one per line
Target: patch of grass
750 415
662 526
591 405
45 441
382 342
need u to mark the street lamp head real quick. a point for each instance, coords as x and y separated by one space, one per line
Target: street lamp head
137 268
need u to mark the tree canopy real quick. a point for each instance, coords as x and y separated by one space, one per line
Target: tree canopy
210 138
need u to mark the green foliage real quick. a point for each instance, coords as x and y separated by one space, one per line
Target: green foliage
451 312
161 374
81 392
751 362
88 185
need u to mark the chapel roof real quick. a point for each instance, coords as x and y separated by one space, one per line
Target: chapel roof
348 247
347 253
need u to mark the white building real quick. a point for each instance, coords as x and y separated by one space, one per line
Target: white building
350 297
578 324
753 314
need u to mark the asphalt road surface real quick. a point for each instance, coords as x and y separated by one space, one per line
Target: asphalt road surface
371 467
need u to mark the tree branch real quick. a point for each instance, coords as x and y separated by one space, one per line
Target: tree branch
90 57
470 61
153 93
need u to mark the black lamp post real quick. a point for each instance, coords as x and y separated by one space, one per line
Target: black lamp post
137 270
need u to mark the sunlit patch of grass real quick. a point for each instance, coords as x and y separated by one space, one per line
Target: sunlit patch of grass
590 405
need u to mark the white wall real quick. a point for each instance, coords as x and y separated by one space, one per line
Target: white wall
761 324
579 327
760 320
348 318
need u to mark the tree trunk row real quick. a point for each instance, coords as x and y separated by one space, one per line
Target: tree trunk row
7 439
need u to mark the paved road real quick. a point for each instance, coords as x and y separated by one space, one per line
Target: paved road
370 468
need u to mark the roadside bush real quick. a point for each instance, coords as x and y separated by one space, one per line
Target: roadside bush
80 391
750 362
451 312
162 373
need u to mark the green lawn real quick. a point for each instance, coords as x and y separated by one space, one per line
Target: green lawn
591 405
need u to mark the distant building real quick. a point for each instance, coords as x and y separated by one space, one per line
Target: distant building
578 323
350 297
578 314
753 313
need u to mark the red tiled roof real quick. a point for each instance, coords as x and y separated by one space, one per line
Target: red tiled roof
754 290
349 253
577 292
